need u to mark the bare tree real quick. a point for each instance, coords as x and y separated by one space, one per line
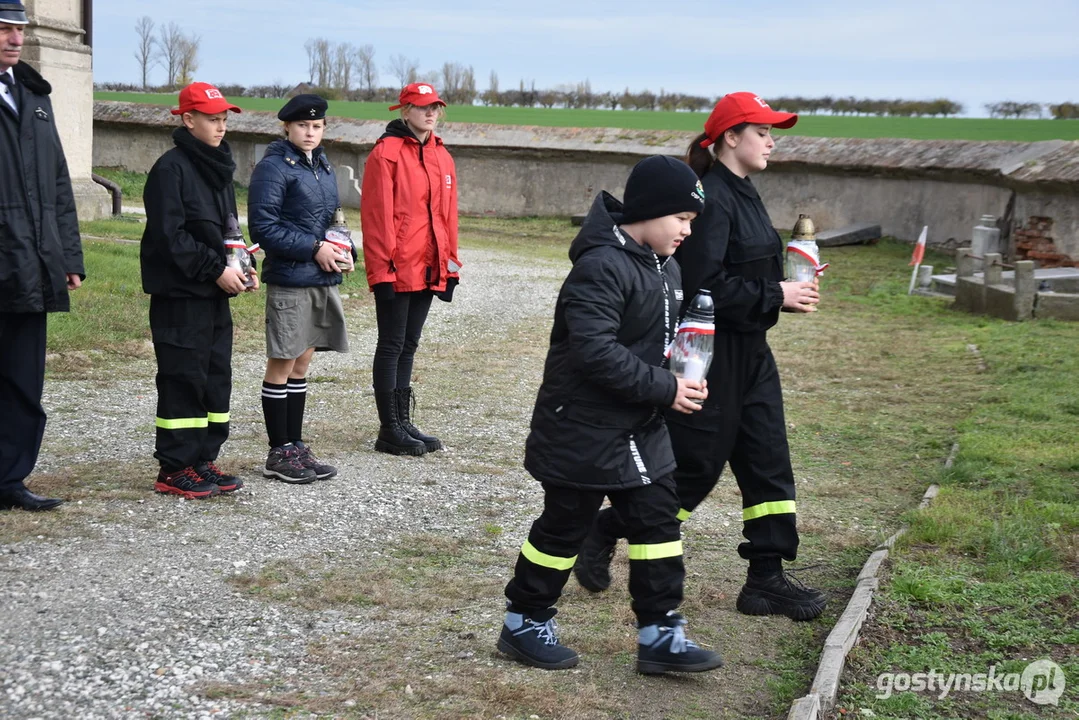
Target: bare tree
363 63
341 70
406 70
490 96
145 55
311 46
324 55
189 59
169 51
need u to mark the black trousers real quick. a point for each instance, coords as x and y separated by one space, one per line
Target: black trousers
22 380
193 345
742 425
400 323
656 570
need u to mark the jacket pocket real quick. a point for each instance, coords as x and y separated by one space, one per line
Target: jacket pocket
749 248
600 417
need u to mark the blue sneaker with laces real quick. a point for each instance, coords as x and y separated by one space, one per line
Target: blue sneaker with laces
664 647
533 640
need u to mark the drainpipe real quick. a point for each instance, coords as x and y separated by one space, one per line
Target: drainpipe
114 189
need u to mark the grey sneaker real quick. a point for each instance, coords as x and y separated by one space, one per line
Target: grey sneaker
284 464
308 460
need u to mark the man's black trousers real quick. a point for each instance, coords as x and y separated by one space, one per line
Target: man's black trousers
656 570
193 345
22 380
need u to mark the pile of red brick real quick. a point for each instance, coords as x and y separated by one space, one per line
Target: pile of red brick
1035 242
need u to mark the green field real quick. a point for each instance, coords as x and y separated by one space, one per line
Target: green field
809 125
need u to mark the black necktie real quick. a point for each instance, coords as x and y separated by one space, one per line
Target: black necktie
9 82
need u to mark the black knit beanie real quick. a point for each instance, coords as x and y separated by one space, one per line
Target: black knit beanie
660 185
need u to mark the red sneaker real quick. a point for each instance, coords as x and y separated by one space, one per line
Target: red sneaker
185 483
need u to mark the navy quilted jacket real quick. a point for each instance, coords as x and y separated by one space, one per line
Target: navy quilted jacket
290 205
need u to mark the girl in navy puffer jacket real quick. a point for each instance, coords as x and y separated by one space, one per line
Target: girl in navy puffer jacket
292 201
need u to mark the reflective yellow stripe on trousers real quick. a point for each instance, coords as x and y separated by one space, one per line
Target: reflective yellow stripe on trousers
779 507
544 560
180 423
658 551
218 417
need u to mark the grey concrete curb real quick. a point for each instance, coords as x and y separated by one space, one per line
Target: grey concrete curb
825 688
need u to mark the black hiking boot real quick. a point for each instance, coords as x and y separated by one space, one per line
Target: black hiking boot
406 401
533 640
392 436
593 566
664 647
779 593
309 461
284 463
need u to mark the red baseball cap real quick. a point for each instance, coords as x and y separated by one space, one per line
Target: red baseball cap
204 98
418 94
743 107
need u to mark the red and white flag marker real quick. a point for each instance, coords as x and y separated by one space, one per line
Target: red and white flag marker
916 258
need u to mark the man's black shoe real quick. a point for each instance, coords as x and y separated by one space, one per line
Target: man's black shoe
593 566
533 640
23 499
778 593
664 647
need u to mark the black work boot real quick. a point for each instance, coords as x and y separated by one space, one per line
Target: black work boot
392 436
664 647
771 591
593 566
406 399
533 640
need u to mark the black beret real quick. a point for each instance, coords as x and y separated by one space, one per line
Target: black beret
303 107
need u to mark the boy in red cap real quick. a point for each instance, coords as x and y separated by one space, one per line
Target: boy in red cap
189 197
738 256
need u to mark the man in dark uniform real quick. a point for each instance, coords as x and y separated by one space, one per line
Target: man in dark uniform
40 255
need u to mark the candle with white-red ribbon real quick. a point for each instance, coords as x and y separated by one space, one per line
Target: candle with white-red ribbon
691 351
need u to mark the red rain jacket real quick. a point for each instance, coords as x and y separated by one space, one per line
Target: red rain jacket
408 212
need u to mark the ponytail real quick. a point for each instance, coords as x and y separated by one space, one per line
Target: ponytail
699 158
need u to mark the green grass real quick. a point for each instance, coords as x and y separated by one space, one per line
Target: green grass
987 575
808 125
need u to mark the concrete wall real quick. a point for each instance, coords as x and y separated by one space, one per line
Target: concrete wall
55 48
503 170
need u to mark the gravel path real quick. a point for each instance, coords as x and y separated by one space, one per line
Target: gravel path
120 618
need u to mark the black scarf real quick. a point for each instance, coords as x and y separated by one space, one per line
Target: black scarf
215 164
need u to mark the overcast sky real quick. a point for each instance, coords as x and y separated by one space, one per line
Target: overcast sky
972 51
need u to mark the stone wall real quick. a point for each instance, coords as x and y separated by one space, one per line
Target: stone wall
521 170
55 48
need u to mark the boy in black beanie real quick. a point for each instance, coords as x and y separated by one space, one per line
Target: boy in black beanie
597 427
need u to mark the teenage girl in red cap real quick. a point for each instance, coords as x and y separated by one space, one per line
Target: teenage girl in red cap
737 254
409 213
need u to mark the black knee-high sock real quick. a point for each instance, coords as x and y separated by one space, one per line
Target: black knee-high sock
297 398
275 411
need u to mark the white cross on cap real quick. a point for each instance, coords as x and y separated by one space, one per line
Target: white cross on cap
314 112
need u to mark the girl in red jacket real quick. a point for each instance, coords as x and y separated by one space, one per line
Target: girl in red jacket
408 210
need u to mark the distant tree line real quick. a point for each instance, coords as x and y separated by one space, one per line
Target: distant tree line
344 71
1010 109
